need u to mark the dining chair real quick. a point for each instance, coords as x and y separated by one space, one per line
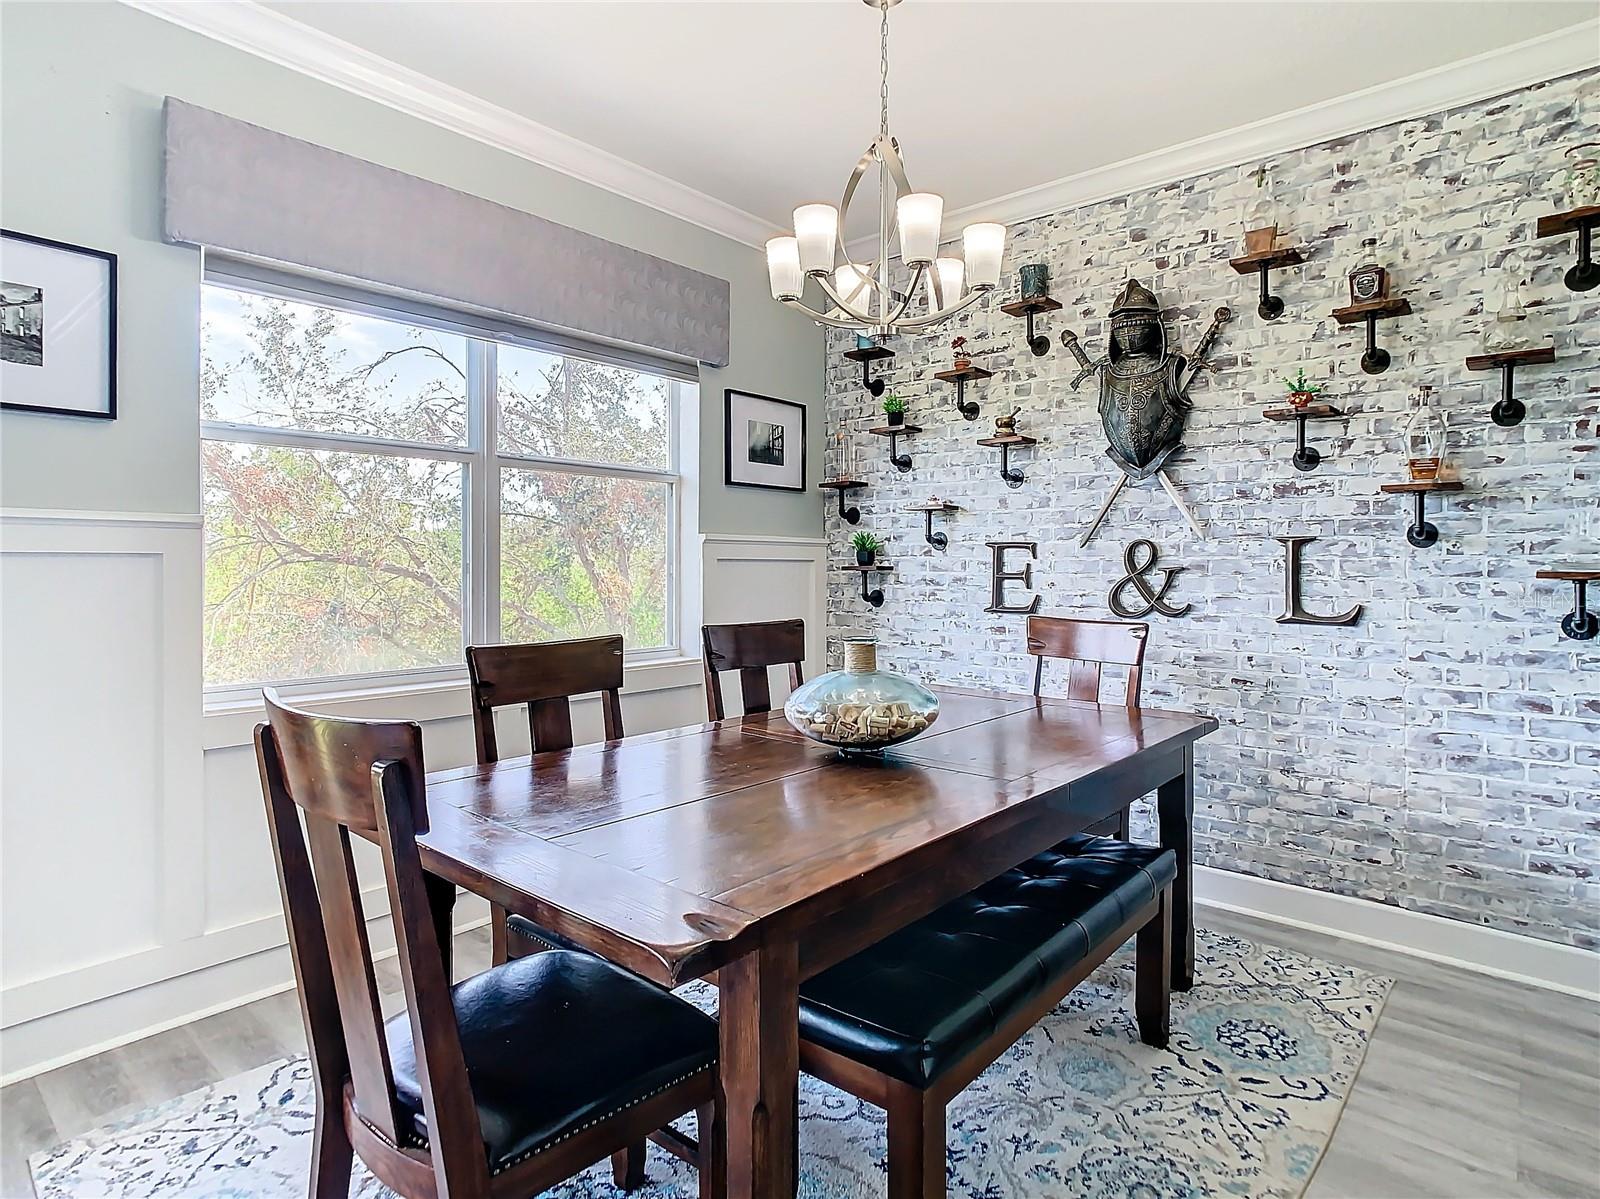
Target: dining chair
503 1085
545 676
751 649
1088 645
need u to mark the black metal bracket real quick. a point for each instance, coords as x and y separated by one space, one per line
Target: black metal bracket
1376 359
901 462
967 408
1305 457
866 357
1585 275
1038 343
1030 308
1271 307
850 515
875 386
1580 624
1012 475
873 596
938 540
1509 411
1422 532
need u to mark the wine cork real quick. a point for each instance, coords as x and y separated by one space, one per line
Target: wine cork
860 657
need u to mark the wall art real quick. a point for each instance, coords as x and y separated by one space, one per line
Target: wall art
1139 559
766 442
58 327
1294 609
999 576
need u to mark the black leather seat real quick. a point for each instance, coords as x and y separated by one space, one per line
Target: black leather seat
554 1042
917 1002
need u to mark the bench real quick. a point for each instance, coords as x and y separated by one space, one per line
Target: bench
907 1023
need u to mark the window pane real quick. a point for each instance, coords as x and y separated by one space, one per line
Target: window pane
560 407
581 556
322 563
287 365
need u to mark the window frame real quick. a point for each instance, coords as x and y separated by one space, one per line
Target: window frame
482 463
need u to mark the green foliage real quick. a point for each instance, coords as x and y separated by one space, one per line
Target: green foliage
866 542
893 403
322 562
1302 385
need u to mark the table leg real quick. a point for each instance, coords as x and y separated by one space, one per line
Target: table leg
1175 814
442 902
759 1018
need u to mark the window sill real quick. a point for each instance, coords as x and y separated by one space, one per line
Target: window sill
230 724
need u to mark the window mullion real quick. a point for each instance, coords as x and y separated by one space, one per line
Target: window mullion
483 570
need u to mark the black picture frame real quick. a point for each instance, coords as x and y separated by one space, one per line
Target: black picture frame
728 447
110 259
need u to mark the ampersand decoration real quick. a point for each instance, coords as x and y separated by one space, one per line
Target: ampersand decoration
1139 559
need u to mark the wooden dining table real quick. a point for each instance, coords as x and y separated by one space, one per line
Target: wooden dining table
741 849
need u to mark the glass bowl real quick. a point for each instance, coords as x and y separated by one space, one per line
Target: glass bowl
861 708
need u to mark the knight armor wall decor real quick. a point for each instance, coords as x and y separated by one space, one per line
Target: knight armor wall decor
1144 389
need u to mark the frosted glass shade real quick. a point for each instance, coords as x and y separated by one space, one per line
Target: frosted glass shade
919 215
950 272
816 228
983 245
783 268
850 283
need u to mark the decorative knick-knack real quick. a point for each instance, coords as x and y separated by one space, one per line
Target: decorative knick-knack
1512 327
861 708
1368 280
1035 280
958 350
1427 435
1578 182
1262 218
894 409
1006 424
1302 392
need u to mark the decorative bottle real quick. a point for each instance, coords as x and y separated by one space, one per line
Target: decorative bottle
1427 433
1368 280
1511 328
861 708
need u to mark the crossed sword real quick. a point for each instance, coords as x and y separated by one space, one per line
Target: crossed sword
1196 364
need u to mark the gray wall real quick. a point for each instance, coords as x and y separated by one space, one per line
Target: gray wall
1444 754
80 157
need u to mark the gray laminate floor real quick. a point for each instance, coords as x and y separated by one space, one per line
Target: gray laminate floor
1473 1088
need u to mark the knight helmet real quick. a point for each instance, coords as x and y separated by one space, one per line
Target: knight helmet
1136 305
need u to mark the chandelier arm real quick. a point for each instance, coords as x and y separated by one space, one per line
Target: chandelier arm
845 305
933 318
822 318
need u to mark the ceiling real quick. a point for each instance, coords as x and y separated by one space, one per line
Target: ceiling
766 105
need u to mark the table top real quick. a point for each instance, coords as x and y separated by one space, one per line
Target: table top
670 852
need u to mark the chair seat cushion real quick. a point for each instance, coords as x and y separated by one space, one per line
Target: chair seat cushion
917 1002
556 1042
521 928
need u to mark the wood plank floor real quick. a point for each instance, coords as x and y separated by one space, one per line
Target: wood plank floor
1474 1088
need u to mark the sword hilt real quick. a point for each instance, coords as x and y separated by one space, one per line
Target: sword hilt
1069 339
1197 361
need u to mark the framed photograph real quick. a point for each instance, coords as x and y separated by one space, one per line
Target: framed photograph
766 441
58 327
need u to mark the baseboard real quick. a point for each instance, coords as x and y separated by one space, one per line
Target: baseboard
1451 942
61 1038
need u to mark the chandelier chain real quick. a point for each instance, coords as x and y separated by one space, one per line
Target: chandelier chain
883 70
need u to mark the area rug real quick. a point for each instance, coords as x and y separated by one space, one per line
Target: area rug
1264 1052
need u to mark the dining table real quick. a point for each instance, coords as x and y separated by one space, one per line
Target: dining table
739 850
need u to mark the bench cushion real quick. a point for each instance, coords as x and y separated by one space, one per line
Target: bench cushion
554 1043
917 1002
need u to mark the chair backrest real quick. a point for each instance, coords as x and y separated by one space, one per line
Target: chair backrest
365 777
545 676
1088 644
750 649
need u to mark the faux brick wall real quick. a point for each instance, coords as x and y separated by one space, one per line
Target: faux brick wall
1444 754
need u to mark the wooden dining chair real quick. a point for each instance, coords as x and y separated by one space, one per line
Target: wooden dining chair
1088 645
751 649
501 1086
545 676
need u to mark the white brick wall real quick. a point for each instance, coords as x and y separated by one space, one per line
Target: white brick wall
1444 754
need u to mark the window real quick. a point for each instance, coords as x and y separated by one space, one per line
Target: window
383 487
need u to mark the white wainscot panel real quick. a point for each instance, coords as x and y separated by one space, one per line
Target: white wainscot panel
769 578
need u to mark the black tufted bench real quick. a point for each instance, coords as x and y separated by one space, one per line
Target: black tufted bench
909 1022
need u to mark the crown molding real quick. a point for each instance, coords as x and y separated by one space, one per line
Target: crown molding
267 34
1466 81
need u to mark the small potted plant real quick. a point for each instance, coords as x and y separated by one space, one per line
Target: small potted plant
963 360
867 547
1302 392
895 409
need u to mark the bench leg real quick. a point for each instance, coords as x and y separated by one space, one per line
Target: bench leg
1153 974
711 1133
916 1145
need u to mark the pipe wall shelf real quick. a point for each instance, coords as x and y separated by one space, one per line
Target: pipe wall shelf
875 595
939 541
1510 410
1585 274
901 462
866 358
1422 533
967 408
1580 624
1263 263
1305 457
1007 442
1031 307
1374 361
852 514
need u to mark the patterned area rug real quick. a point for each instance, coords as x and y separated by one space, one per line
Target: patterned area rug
1264 1052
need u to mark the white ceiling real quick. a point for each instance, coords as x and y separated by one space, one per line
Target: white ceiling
766 105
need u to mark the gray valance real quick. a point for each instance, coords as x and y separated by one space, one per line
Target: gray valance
241 189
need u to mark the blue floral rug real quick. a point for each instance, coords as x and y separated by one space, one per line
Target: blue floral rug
1264 1052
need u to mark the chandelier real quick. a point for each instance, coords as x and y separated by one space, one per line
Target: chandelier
861 295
